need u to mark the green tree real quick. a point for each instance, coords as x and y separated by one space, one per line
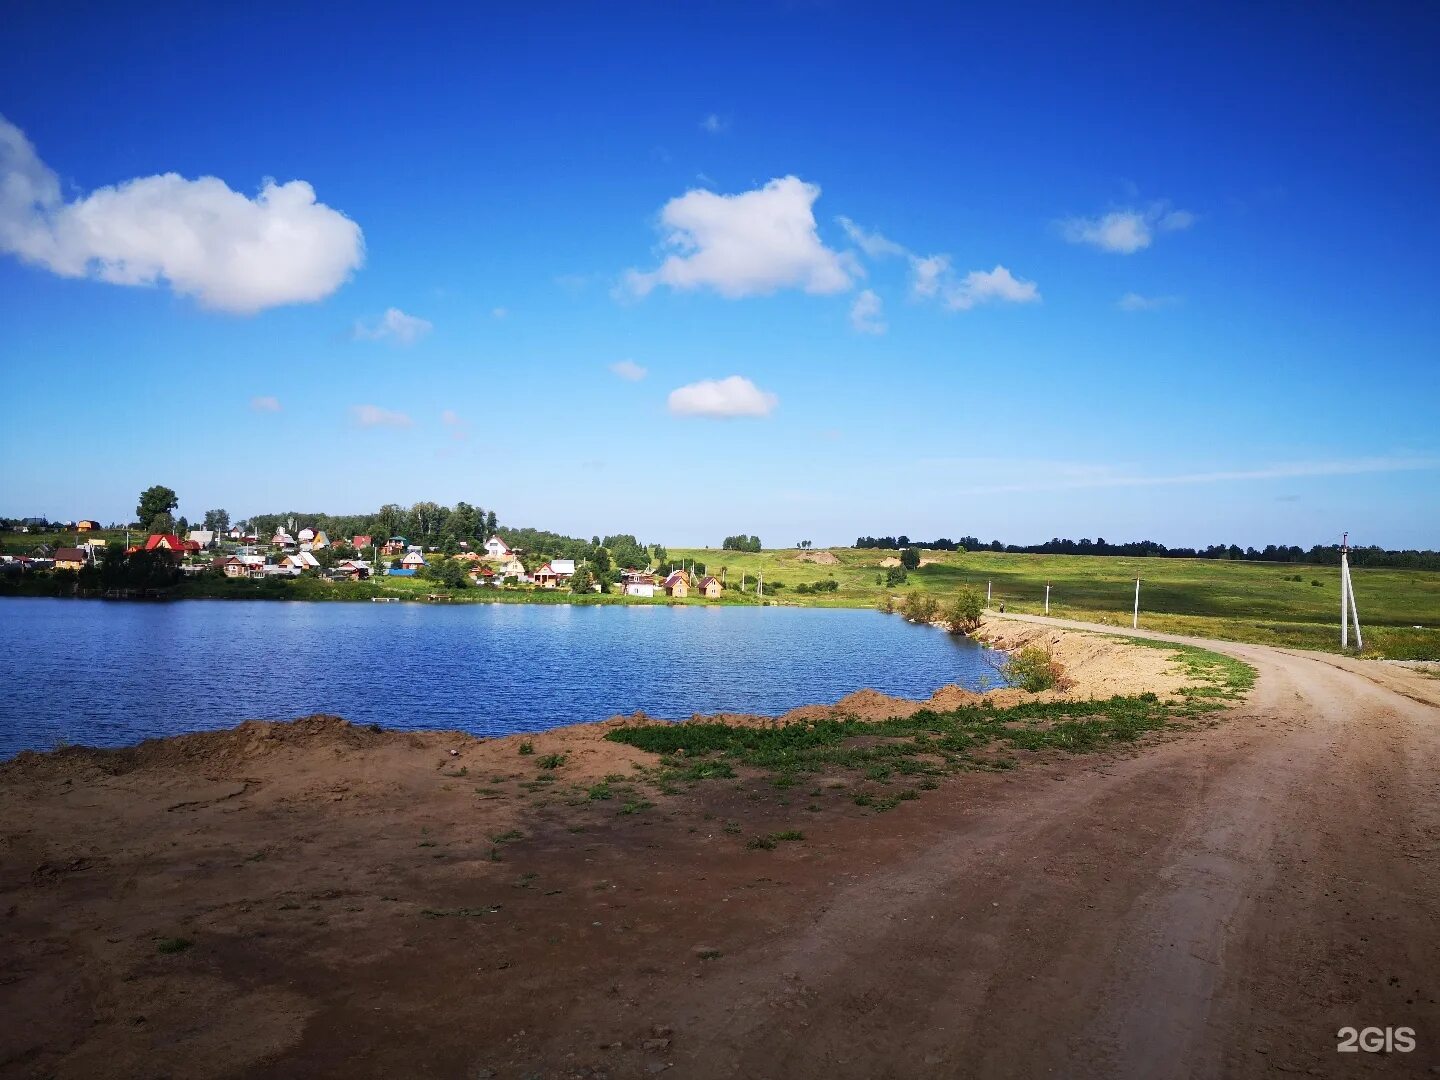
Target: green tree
162 523
217 520
910 558
963 613
583 581
895 575
601 561
155 501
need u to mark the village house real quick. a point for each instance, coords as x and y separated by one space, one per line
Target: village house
203 537
678 584
86 525
394 546
282 539
359 540
69 558
495 548
350 570
640 588
555 572
301 560
710 587
413 560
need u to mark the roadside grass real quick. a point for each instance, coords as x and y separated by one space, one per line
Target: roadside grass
1236 601
895 759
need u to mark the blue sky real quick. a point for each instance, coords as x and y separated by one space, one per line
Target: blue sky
1140 274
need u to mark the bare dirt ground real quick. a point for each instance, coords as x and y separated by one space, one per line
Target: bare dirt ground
358 903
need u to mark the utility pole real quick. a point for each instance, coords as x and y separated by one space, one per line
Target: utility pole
1348 610
987 591
1135 622
1047 599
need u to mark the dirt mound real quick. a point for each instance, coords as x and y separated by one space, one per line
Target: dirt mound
889 560
209 749
823 558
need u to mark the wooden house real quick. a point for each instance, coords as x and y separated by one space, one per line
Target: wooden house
678 584
710 587
69 558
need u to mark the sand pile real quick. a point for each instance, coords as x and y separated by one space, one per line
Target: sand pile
821 558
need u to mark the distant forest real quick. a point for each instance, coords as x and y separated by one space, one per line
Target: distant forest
1320 554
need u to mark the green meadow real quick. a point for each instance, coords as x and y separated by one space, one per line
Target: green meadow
1236 601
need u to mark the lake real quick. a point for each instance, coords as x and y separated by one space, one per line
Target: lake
110 673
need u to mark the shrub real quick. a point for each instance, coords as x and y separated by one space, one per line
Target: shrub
910 558
919 607
1035 669
964 611
895 575
886 604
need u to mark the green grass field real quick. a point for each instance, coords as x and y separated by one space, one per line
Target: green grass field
1237 601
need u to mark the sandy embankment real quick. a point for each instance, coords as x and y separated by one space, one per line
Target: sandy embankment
211 904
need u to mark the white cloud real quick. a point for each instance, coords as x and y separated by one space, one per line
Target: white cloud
458 425
1132 301
866 313
499 313
746 245
451 418
872 244
1127 230
229 252
265 404
1030 476
395 326
734 396
714 123
987 286
375 416
928 274
628 370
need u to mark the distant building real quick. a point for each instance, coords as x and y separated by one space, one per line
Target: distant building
555 572
86 525
360 540
413 560
69 558
640 588
495 548
678 584
203 537
710 587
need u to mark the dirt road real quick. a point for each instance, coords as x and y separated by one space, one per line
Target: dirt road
1219 904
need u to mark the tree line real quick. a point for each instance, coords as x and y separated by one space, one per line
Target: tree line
1318 554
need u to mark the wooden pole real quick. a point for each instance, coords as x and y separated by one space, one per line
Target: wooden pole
1047 599
1135 622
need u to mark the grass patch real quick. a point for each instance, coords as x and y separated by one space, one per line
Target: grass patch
169 946
931 743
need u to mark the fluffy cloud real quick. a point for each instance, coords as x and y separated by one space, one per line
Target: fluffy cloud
1135 302
265 404
458 425
932 277
866 313
375 416
714 123
735 396
628 370
1126 231
749 244
229 252
988 286
395 326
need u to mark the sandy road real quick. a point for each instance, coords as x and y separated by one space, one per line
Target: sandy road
1219 906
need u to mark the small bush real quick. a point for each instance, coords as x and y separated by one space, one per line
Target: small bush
1035 669
527 747
962 614
895 575
551 761
171 945
919 607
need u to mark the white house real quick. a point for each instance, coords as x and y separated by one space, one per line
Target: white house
301 560
495 548
307 535
563 567
203 537
413 560
640 588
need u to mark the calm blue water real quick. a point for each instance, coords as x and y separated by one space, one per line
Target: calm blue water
110 674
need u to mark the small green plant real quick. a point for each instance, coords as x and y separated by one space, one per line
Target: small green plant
788 834
962 614
635 806
601 790
760 843
171 945
526 748
507 837
551 761
1034 669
